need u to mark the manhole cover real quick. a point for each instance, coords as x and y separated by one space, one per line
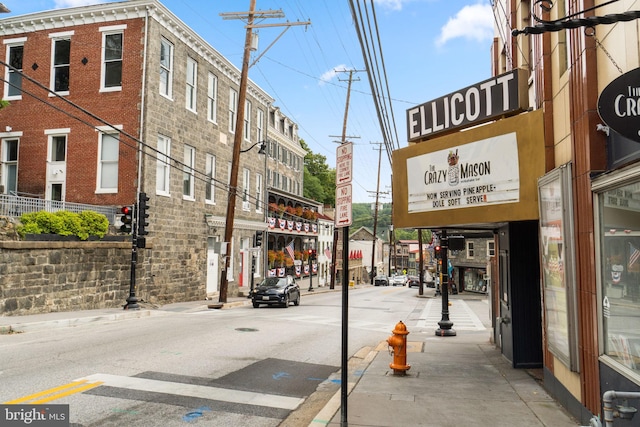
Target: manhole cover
246 329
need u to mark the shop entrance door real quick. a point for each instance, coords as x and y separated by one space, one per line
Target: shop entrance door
504 322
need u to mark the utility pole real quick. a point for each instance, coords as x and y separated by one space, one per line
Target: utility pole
239 128
375 213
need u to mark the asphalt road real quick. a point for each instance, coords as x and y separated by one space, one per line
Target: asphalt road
243 366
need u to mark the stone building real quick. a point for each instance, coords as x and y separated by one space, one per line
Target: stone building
111 100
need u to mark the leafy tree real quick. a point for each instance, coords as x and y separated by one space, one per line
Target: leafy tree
319 178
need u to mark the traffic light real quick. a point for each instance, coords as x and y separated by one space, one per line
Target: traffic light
142 222
143 214
437 251
312 254
126 219
258 239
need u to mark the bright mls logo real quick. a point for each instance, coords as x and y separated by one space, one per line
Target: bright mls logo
34 415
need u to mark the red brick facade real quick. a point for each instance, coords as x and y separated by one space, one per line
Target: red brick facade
33 116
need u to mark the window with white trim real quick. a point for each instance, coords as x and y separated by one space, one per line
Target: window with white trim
491 248
191 84
111 72
166 68
259 192
108 152
260 125
10 165
247 120
210 166
212 98
188 175
13 78
233 109
246 176
61 62
470 251
163 166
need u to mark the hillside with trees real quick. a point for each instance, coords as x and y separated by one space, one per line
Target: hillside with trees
320 185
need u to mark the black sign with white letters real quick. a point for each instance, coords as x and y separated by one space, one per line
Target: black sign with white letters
619 105
500 96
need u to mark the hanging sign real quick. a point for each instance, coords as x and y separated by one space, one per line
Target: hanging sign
619 105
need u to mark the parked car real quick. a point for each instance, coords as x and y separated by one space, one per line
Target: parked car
413 281
399 280
276 290
381 280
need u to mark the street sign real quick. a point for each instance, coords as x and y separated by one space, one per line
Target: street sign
344 163
343 206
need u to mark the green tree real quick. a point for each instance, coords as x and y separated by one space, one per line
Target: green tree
319 178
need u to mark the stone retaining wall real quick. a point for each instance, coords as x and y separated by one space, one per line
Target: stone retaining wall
43 277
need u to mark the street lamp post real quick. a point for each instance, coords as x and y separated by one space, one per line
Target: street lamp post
445 329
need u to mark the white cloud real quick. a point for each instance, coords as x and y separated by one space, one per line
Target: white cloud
391 4
327 76
473 22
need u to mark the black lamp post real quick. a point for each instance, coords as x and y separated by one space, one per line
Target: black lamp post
445 329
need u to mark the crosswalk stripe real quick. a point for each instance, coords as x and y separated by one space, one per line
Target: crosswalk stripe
192 390
462 316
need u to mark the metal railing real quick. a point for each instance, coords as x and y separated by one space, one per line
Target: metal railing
14 206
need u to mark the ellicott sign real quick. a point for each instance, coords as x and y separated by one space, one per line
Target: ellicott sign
499 96
619 105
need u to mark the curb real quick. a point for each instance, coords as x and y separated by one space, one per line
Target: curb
332 407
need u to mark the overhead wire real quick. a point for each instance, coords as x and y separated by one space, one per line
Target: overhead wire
373 71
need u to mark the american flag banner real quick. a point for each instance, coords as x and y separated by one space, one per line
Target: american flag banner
306 269
289 249
281 272
634 254
272 272
272 222
297 271
314 268
327 253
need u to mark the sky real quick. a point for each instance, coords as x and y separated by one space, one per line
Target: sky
429 48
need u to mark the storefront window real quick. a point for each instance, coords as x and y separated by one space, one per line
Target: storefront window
619 217
474 280
557 253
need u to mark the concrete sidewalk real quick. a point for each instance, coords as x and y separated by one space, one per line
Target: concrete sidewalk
453 381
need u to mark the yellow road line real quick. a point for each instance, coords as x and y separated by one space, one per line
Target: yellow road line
75 387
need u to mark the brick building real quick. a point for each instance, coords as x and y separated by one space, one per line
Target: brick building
111 100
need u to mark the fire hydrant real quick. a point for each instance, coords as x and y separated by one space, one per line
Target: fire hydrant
398 341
